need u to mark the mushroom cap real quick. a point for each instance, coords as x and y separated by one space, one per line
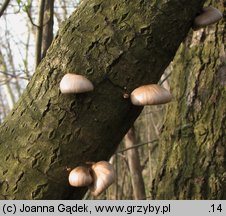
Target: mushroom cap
103 176
150 95
210 15
80 177
73 83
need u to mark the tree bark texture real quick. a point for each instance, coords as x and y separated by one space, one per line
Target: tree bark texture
118 45
193 144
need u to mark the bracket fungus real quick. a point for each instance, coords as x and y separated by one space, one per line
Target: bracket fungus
103 176
80 177
73 83
150 95
209 15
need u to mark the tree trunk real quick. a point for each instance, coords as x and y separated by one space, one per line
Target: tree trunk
134 165
118 45
193 144
39 33
47 26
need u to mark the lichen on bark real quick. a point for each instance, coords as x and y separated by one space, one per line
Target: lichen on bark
193 144
118 45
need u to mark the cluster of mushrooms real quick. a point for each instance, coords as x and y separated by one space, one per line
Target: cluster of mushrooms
99 176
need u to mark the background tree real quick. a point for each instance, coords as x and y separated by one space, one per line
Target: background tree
48 26
193 142
134 165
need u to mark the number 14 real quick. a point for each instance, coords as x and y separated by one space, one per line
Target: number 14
216 208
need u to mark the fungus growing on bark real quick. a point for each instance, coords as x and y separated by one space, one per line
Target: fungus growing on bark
125 95
80 177
150 95
103 176
73 83
209 15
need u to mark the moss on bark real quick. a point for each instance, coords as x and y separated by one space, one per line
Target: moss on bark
193 144
118 45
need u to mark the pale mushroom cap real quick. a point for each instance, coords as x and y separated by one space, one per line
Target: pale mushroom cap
73 83
80 177
209 16
103 177
150 95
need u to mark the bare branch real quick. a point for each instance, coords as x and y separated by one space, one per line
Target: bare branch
38 49
134 165
4 6
31 20
136 146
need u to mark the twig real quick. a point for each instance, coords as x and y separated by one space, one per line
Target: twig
30 18
135 146
167 76
4 6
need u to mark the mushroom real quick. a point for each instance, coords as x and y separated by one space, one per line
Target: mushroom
150 95
80 177
73 83
103 176
210 15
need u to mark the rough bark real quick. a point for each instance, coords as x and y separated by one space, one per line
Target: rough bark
193 144
118 45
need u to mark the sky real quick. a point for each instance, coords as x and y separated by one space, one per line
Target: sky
14 28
